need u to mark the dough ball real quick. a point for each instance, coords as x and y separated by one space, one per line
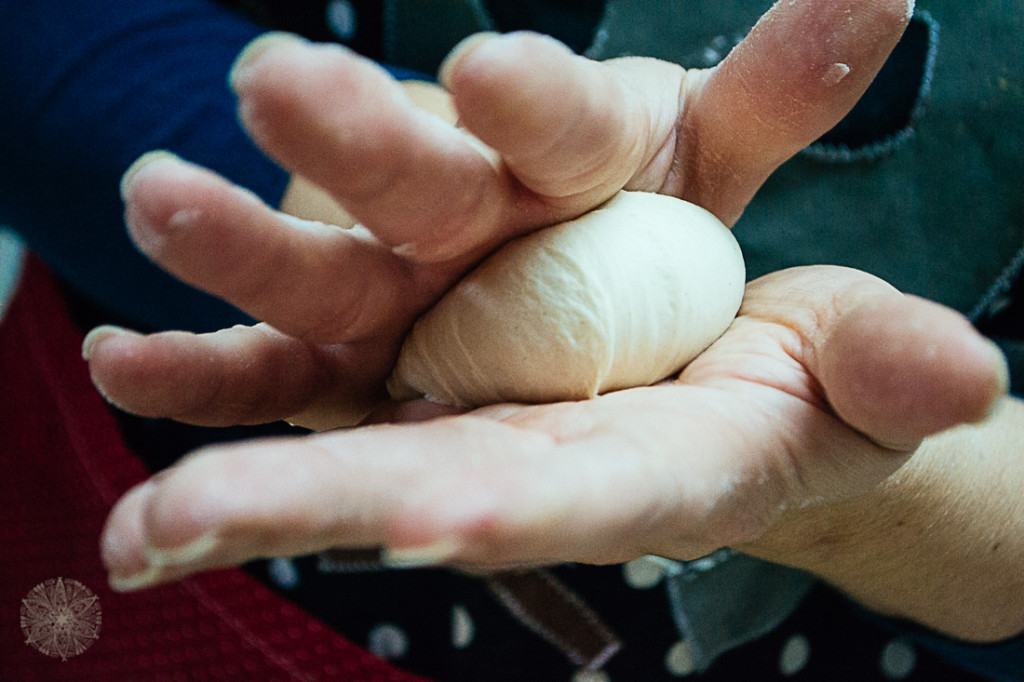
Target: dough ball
623 296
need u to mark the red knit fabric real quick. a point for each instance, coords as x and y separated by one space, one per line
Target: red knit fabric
62 467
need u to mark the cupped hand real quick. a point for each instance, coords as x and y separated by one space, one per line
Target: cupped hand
824 385
826 382
543 135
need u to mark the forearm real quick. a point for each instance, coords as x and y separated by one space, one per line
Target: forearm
941 542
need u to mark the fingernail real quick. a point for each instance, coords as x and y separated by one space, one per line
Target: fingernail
241 70
136 169
98 334
1002 366
417 557
836 73
1002 388
136 581
120 551
406 250
185 554
460 52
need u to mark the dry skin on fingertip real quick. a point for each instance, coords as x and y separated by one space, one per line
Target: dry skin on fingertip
836 73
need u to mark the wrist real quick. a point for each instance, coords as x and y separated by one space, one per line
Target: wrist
938 542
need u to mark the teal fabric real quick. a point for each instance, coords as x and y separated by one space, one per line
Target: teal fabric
419 33
944 215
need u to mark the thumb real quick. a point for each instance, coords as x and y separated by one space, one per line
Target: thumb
899 368
797 74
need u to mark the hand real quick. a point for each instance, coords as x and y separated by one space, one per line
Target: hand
823 386
816 392
552 135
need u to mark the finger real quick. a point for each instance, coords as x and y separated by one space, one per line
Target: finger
570 129
242 375
895 367
798 72
128 567
352 489
467 490
315 281
419 184
903 368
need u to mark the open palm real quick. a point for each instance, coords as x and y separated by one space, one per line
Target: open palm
817 391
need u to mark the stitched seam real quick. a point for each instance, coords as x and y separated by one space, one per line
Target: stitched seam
1003 284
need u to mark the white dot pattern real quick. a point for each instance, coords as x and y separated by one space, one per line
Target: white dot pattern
341 19
643 573
388 641
591 676
897 660
796 652
284 573
463 627
680 660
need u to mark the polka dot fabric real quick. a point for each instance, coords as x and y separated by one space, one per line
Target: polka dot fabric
450 628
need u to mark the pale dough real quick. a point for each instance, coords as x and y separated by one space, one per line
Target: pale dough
625 295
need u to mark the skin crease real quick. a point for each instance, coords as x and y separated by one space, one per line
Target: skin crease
942 503
805 470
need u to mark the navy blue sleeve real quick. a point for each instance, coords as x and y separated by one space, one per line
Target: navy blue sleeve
85 88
